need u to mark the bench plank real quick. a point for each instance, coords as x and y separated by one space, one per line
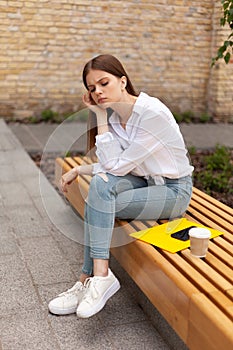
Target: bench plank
220 267
203 284
207 271
208 325
190 293
213 201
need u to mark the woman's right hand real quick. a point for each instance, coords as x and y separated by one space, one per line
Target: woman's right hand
101 113
89 102
68 178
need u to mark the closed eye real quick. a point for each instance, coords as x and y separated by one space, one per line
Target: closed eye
92 88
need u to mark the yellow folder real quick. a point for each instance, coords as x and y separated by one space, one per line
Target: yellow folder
160 236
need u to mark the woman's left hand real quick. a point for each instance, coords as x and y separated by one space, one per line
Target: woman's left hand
68 178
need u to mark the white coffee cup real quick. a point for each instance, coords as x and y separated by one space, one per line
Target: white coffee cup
199 241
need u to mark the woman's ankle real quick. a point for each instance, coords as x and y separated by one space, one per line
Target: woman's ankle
101 267
83 277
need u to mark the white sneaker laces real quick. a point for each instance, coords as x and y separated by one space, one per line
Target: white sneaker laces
91 290
74 290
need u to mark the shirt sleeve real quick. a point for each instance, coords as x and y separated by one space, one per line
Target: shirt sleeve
98 168
150 136
106 137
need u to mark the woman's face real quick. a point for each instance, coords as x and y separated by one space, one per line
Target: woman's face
105 88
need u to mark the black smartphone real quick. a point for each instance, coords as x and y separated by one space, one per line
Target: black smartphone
182 235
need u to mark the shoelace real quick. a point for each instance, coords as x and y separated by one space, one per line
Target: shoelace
91 291
74 290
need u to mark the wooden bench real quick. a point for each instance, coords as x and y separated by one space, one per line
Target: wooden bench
194 295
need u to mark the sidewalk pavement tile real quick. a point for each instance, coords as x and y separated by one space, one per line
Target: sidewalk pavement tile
27 330
18 298
137 336
13 270
26 221
82 334
39 262
14 194
8 245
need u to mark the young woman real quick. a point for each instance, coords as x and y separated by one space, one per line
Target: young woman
142 172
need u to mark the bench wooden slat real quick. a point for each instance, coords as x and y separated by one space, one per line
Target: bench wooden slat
213 201
208 272
197 279
211 207
202 219
190 293
220 254
203 284
220 267
212 216
207 326
165 287
230 293
73 163
223 244
227 236
201 204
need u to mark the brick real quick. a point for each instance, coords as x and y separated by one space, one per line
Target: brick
164 45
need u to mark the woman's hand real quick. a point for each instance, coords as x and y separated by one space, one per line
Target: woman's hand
90 103
68 178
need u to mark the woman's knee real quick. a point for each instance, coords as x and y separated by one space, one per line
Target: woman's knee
99 186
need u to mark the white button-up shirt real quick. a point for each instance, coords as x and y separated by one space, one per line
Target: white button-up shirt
151 145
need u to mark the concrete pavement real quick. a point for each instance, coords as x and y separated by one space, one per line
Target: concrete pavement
35 137
39 258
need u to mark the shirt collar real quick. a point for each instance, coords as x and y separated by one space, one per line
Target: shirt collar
139 106
141 103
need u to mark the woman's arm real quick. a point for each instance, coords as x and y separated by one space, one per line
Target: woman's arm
152 134
71 175
101 114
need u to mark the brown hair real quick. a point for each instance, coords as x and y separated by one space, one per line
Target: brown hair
111 65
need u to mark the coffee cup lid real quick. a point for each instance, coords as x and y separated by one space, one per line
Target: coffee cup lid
199 232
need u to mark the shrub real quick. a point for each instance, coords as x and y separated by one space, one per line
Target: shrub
218 172
48 115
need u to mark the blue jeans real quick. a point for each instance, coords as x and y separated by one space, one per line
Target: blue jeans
128 197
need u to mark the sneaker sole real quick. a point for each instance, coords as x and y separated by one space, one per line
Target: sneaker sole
62 312
108 294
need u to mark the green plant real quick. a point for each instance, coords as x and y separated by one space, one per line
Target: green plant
188 116
217 175
48 115
205 118
178 117
185 117
192 150
226 49
67 154
33 120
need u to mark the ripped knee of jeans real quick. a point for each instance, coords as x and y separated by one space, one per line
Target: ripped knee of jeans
103 176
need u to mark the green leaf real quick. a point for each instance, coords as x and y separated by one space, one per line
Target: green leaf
222 22
225 6
227 57
221 50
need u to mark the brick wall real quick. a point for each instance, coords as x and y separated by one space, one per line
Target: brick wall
220 90
165 45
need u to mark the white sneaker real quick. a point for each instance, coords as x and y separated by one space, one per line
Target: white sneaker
99 290
67 302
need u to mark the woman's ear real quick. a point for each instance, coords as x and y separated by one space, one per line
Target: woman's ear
123 82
